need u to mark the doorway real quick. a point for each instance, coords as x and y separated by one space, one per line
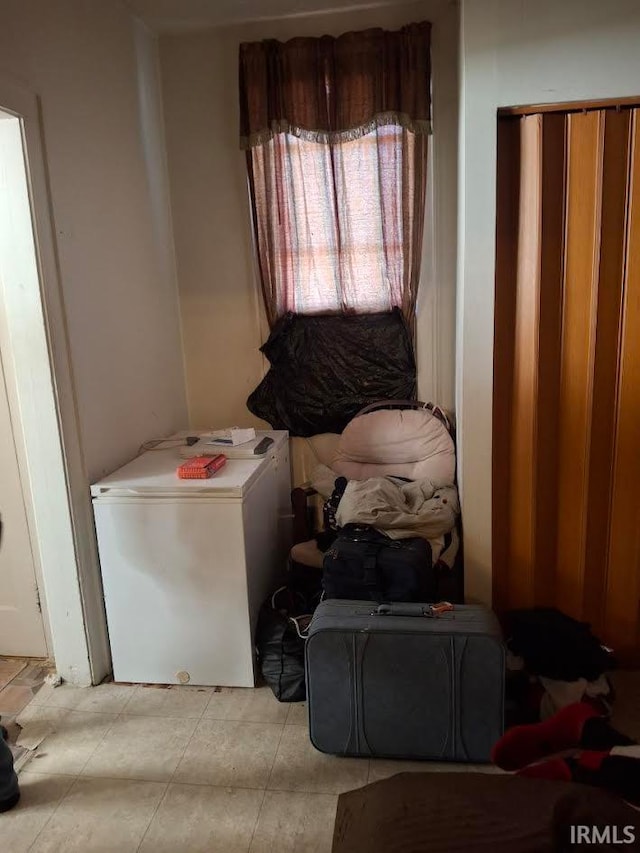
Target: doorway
21 621
22 627
43 412
566 467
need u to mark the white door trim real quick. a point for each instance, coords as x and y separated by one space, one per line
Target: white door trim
49 420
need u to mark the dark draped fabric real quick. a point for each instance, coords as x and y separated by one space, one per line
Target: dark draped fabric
336 131
323 370
335 89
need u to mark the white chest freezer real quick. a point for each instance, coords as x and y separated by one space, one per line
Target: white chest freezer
186 564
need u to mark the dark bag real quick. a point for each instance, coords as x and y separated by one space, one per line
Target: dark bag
364 564
281 655
405 681
280 638
556 646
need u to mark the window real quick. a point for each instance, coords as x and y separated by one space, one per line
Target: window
333 215
336 135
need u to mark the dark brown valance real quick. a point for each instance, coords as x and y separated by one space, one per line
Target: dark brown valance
334 89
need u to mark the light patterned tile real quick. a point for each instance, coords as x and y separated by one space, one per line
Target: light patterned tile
101 816
297 714
484 768
141 748
300 767
70 737
382 768
39 797
35 712
198 818
295 823
38 721
105 698
230 753
247 704
175 701
36 724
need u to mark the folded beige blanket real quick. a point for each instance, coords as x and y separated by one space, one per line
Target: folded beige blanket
400 509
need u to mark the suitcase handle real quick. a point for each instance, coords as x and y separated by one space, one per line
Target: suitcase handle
402 610
429 610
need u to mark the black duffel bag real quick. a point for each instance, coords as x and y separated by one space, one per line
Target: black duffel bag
365 564
280 637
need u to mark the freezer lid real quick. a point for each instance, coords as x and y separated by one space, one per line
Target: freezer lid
153 474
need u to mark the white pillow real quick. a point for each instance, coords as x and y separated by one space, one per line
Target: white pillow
409 443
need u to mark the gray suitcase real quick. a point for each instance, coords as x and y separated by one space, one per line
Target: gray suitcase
395 681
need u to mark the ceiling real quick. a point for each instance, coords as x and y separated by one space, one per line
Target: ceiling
176 15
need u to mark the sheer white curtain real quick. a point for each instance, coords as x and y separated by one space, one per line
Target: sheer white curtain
336 223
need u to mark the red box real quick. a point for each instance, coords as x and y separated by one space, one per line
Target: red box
201 467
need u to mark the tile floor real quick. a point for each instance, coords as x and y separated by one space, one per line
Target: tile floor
20 679
177 770
186 769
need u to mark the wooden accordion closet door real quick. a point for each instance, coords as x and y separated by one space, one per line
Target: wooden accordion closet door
566 433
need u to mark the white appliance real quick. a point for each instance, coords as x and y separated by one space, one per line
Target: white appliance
187 563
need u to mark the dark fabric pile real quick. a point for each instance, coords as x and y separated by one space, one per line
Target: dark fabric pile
551 645
556 646
324 369
280 634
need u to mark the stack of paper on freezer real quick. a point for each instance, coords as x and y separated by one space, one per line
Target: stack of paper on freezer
231 437
204 447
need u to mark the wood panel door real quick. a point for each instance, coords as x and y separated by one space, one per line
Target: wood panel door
566 436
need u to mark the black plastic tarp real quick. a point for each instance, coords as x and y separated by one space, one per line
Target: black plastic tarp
324 369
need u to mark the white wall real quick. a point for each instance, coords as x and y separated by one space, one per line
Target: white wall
514 52
96 75
117 281
223 325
